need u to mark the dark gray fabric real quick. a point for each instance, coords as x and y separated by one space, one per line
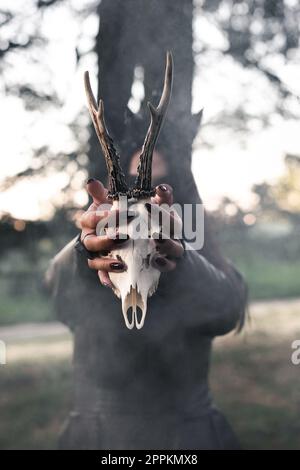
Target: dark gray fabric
145 389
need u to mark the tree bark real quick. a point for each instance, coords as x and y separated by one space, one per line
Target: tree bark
138 33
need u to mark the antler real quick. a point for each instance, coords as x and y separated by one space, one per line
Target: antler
143 187
117 182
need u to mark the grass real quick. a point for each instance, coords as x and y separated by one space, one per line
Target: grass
261 405
22 294
266 279
35 393
270 278
253 381
23 307
34 405
271 268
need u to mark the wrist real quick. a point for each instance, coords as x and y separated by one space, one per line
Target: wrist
82 250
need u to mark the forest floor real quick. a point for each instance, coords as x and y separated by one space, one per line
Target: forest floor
253 380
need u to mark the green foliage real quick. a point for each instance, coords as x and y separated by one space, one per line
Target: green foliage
23 308
271 266
281 200
22 290
267 280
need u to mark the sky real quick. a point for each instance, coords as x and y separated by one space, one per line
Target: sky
230 168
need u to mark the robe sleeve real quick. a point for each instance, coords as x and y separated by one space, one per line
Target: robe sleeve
66 280
207 297
203 295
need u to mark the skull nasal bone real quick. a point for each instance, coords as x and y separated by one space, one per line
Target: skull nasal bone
134 309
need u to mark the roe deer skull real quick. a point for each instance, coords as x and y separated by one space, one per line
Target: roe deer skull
140 280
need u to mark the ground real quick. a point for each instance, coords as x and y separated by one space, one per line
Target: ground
253 380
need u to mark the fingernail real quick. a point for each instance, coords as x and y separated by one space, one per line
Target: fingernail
90 180
161 261
158 237
162 187
117 266
131 213
106 285
148 206
121 239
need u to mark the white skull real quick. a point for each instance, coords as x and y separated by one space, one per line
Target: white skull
140 280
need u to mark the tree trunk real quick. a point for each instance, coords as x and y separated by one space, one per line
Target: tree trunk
138 33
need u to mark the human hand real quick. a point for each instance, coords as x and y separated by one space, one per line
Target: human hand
168 252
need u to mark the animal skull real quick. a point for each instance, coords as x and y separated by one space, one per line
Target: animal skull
140 280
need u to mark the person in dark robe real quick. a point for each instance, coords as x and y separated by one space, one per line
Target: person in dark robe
148 388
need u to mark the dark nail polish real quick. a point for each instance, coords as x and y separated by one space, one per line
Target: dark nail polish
161 262
117 266
158 237
163 188
148 206
90 180
118 241
131 214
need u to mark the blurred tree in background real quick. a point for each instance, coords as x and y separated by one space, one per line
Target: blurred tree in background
257 34
282 199
133 35
251 48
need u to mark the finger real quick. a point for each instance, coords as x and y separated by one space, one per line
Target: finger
105 279
97 191
95 243
85 233
109 218
169 222
163 264
170 247
104 242
163 194
107 264
116 220
91 218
